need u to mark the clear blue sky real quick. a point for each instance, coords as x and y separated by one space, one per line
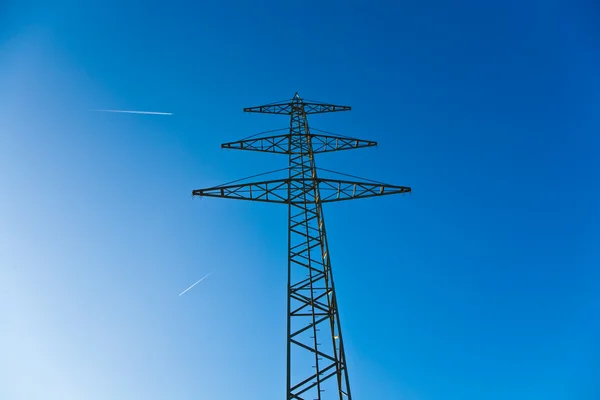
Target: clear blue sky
484 284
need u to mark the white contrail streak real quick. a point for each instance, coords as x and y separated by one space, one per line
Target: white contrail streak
136 112
200 280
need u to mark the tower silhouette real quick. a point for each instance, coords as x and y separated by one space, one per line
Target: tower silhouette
316 361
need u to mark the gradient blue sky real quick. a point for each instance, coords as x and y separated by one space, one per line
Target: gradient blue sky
483 284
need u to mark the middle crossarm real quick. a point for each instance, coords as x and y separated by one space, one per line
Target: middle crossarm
279 144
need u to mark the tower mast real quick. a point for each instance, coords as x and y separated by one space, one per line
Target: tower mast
316 361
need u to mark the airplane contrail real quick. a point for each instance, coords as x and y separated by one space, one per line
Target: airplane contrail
136 112
200 280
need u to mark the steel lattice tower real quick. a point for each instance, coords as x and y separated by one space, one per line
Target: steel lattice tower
316 362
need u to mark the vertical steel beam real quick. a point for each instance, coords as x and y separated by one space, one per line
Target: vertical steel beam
316 360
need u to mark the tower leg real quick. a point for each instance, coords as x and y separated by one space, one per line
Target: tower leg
316 366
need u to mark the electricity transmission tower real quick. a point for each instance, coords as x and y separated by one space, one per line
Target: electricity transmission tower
316 362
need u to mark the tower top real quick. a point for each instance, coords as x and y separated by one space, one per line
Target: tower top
288 107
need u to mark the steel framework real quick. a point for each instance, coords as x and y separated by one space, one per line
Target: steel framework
316 362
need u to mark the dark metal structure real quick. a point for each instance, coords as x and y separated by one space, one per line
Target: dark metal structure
316 362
